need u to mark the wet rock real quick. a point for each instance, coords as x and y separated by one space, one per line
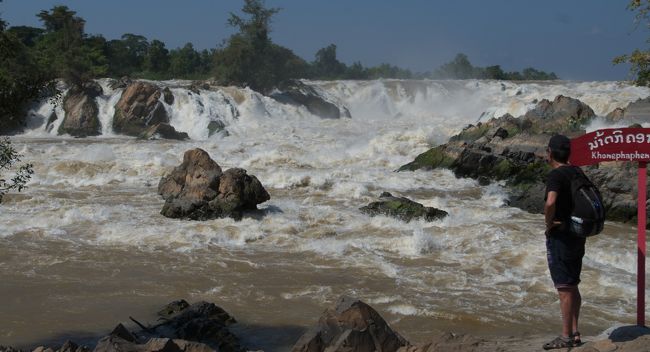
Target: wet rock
163 131
49 126
123 82
402 208
81 111
199 190
138 108
173 308
351 325
215 127
168 96
562 115
616 115
636 112
513 150
297 93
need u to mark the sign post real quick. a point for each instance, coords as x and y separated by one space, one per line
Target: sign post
622 144
641 223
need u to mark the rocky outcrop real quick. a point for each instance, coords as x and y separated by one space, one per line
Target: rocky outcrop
351 325
635 112
514 149
298 93
81 111
402 208
140 107
562 114
199 190
164 131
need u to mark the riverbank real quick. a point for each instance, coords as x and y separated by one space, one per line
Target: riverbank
348 325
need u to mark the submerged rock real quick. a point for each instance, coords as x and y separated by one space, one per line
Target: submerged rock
351 325
402 208
199 190
298 93
140 107
164 131
81 111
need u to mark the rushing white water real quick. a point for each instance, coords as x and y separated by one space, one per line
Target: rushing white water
87 232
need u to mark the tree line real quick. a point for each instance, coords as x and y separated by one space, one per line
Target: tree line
33 57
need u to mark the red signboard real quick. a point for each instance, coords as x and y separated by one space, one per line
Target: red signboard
611 144
622 144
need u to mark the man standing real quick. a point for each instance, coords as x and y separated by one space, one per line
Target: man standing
564 251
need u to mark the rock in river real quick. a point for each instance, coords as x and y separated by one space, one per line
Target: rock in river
198 189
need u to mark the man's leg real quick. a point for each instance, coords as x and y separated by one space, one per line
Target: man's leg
570 309
577 299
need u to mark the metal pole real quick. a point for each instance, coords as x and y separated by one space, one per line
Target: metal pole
641 244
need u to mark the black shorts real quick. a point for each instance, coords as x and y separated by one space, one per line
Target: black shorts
564 252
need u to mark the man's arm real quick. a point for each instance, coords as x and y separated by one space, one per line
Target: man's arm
549 210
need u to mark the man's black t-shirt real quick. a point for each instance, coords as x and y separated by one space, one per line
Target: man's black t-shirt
559 180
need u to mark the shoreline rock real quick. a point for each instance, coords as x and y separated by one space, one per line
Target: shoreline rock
348 325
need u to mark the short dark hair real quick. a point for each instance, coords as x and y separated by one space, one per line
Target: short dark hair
561 155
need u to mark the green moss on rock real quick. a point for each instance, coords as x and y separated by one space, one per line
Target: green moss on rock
431 159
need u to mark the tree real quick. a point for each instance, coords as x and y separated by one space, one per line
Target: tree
63 47
184 61
249 57
639 60
9 158
27 35
458 68
22 80
157 58
327 65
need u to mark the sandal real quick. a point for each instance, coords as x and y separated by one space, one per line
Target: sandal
559 342
576 338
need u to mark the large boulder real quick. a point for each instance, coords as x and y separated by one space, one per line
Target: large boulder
199 190
351 325
513 150
560 115
402 208
81 111
297 93
140 107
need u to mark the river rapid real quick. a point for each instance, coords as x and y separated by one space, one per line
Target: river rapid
84 247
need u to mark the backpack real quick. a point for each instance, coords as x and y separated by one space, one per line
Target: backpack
588 212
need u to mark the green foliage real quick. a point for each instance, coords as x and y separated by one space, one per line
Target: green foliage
461 68
327 66
66 50
431 159
639 60
22 80
458 68
157 57
250 58
9 158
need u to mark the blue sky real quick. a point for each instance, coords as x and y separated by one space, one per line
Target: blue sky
576 39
